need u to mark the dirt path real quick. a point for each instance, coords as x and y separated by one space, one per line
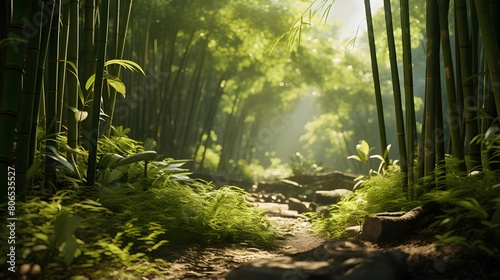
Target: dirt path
296 235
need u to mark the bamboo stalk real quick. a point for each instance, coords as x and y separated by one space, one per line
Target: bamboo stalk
51 93
88 63
98 87
123 19
63 57
408 85
453 109
73 86
396 94
431 84
470 99
491 47
376 81
12 71
26 102
38 104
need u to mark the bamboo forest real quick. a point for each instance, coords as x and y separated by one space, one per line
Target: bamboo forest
250 139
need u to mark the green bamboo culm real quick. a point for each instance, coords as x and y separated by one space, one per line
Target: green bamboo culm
73 86
376 81
123 18
397 94
470 99
87 67
453 108
62 63
490 46
439 128
48 8
51 93
411 130
98 87
26 101
431 86
12 87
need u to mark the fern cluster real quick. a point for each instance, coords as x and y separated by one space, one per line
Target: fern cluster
470 204
377 194
130 217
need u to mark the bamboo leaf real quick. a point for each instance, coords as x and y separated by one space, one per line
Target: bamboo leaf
117 84
149 144
65 226
90 82
472 204
354 157
379 157
33 169
127 64
142 156
59 158
108 160
69 250
81 115
41 236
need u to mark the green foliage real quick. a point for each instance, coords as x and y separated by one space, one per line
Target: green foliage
378 194
363 149
113 81
256 172
67 232
191 211
302 166
471 205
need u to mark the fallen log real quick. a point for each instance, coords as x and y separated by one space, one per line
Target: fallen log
386 225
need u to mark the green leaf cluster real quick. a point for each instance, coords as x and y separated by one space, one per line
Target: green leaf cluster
470 205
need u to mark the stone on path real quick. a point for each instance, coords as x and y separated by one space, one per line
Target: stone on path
297 205
330 197
333 260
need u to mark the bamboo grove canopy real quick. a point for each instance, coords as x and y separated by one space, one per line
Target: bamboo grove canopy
197 77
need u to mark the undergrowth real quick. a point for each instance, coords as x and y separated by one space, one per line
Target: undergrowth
377 194
193 214
470 207
123 227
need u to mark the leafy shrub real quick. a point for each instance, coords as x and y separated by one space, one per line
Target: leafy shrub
377 194
192 212
303 166
67 232
471 206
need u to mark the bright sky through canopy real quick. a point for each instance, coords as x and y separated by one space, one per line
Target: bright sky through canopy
351 14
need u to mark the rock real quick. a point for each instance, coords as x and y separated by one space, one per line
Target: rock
323 210
297 205
342 260
279 187
330 197
312 207
329 181
250 198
